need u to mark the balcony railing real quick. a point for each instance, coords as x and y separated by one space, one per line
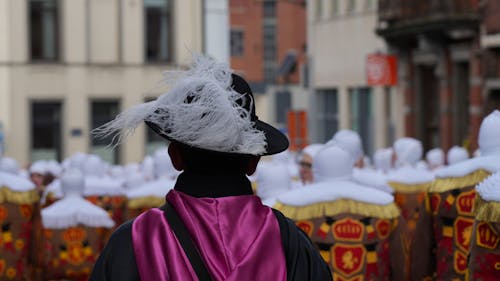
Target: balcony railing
394 11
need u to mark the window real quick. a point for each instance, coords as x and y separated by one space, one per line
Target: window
45 131
269 8
361 116
237 42
283 105
153 140
101 113
334 8
370 5
158 30
327 111
44 31
319 9
351 6
270 49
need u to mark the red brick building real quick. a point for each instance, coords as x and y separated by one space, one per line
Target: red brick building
263 34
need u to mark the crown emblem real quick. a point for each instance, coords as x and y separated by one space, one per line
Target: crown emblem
465 202
74 234
486 236
348 230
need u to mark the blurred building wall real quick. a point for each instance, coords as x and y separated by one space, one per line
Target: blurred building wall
441 66
216 29
100 60
340 37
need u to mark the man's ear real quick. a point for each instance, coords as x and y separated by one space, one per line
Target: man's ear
252 165
176 156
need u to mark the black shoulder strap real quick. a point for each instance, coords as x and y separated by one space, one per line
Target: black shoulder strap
187 244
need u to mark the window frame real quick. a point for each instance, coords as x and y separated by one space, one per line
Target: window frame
241 52
170 11
116 150
58 46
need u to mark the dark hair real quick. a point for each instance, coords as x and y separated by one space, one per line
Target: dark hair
206 161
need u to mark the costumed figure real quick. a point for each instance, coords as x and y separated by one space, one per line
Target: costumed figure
484 249
18 212
456 154
435 159
103 190
305 162
448 213
273 178
356 228
410 186
73 232
216 140
351 142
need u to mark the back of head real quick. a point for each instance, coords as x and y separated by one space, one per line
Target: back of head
408 151
350 141
77 160
382 159
312 149
93 166
272 179
9 165
54 168
489 134
38 167
72 183
457 154
435 157
333 162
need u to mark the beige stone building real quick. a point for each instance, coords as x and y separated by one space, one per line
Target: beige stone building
67 66
341 34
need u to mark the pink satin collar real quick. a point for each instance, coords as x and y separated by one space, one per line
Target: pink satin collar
238 237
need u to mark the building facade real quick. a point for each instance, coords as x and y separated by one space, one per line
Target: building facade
340 37
68 66
441 67
268 48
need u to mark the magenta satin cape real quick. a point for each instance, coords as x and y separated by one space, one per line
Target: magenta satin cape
238 239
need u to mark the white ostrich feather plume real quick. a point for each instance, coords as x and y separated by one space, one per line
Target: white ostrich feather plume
200 110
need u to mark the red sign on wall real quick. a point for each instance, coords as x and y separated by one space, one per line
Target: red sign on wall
381 70
297 129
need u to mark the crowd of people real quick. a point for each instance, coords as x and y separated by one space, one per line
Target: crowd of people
396 216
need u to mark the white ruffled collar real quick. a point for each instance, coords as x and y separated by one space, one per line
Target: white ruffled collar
15 183
103 186
489 189
489 163
410 175
158 188
335 190
72 211
372 178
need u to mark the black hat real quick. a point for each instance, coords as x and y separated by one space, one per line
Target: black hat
206 107
276 141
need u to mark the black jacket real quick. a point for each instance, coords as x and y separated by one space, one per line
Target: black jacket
117 261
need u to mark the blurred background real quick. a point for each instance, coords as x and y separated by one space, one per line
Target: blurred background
428 69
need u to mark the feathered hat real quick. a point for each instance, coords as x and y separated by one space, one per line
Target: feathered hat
207 107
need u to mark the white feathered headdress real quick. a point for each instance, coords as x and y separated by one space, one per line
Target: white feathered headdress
201 109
